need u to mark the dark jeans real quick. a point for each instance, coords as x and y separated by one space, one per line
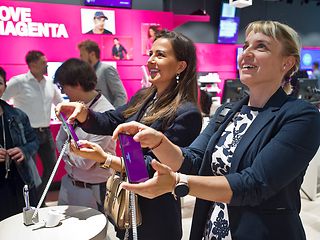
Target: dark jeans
47 154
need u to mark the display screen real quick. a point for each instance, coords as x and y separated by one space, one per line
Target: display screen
228 30
109 3
233 90
309 56
133 159
69 129
308 90
228 10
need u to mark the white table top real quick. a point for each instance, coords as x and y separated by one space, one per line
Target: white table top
77 223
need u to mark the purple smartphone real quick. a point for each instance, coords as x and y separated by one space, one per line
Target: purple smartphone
69 129
133 159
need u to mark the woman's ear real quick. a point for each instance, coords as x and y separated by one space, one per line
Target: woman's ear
289 63
182 66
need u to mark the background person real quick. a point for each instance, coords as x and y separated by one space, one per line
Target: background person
109 83
118 50
18 142
170 106
316 72
85 182
153 30
253 165
34 94
99 20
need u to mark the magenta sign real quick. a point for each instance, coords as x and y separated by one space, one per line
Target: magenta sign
17 21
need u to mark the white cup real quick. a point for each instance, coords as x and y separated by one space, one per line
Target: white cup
53 218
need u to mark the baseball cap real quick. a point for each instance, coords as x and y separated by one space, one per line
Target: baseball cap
99 14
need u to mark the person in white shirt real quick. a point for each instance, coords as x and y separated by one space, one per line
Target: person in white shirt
34 94
84 184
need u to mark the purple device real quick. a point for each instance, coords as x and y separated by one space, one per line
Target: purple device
133 159
69 129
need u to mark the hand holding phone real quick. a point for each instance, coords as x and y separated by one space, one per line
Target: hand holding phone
69 129
133 159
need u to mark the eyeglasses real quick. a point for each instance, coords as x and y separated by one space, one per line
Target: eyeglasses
60 87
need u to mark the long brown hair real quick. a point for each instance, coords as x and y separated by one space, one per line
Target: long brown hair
166 106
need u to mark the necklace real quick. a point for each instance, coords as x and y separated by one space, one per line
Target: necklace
7 158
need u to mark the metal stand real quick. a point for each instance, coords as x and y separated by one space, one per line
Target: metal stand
133 216
50 179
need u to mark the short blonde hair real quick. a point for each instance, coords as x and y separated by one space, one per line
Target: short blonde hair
286 35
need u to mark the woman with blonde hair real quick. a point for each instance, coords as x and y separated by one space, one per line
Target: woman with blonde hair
252 166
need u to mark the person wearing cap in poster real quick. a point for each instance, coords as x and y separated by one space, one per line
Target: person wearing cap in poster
99 20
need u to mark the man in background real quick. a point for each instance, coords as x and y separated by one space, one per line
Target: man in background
109 82
99 20
34 94
118 50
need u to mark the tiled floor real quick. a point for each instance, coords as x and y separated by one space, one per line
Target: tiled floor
310 216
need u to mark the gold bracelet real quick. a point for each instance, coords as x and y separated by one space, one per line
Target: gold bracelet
107 163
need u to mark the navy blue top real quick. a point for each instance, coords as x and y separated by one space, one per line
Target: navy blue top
267 169
20 134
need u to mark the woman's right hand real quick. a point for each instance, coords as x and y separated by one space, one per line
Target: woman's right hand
163 181
89 150
72 111
147 136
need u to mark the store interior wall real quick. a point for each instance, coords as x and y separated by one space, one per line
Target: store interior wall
300 15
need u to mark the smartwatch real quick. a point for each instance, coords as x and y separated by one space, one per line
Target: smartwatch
182 188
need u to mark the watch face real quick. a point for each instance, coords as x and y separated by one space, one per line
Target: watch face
181 189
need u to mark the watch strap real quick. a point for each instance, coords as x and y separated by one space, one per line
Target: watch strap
181 181
107 163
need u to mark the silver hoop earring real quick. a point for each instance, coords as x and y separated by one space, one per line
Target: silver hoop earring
177 78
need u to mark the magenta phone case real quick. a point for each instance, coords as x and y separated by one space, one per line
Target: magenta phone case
69 129
133 159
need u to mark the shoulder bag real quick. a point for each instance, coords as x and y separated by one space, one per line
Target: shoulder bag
117 203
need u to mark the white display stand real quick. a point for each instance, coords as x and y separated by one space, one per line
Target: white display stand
310 183
77 222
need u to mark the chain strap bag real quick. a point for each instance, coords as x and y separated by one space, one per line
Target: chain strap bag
117 203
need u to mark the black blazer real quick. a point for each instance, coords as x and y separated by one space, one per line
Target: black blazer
267 169
161 217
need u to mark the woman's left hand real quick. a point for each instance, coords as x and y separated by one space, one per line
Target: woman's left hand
16 154
89 150
163 181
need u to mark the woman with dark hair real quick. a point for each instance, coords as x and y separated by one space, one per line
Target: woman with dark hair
18 143
169 106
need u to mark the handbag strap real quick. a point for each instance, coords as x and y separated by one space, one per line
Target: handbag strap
122 169
222 115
